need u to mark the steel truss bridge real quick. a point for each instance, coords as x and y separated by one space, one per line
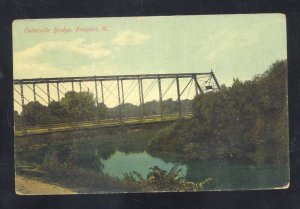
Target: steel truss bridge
38 89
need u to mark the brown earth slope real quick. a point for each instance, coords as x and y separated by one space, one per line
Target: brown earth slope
25 186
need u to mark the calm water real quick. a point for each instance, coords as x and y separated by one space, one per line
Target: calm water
121 162
125 153
225 175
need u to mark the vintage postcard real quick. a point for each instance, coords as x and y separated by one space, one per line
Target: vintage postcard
150 104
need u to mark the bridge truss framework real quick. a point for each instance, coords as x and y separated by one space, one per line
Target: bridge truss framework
203 83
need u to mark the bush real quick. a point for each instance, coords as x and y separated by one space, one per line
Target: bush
161 180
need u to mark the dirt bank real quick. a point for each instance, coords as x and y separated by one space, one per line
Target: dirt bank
25 186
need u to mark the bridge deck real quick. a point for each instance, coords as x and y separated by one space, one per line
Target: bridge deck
94 124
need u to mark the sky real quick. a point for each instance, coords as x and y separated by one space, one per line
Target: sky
233 46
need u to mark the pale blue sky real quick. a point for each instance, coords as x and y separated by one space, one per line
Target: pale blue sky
233 46
237 46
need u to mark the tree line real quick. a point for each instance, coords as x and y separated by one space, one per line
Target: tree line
81 106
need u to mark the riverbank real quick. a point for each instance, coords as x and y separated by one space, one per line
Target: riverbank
26 186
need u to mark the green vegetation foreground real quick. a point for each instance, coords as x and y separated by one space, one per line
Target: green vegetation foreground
247 122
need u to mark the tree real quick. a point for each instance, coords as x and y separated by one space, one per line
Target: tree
57 112
34 113
102 110
79 106
17 119
246 122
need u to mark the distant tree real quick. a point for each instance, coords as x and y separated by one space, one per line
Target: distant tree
34 113
152 108
79 106
128 110
102 111
168 106
17 119
57 112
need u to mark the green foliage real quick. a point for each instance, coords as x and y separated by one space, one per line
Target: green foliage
79 105
57 113
102 111
245 122
50 160
55 159
161 180
73 107
34 113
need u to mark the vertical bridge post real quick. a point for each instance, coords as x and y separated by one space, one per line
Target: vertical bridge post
57 87
22 96
80 87
102 93
197 86
23 102
80 98
123 100
72 86
97 100
48 93
34 93
141 96
119 99
160 95
215 79
178 95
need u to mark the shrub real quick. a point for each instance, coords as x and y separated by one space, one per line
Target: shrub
161 180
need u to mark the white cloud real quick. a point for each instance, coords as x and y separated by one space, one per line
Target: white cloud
93 50
38 70
27 62
128 37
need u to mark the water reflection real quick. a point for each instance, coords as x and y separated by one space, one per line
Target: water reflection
121 162
126 154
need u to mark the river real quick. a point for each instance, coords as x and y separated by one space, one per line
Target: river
126 152
225 175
